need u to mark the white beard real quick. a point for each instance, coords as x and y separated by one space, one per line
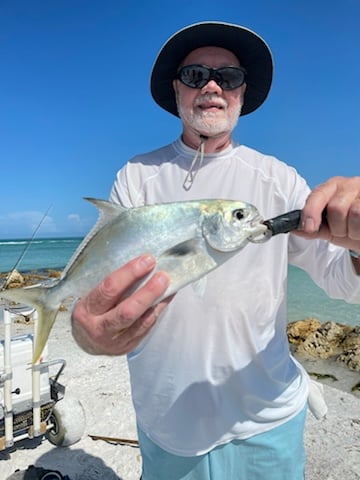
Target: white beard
210 123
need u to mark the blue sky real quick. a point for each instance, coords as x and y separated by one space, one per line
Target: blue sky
75 102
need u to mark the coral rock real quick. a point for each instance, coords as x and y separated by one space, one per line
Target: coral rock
327 340
298 331
351 358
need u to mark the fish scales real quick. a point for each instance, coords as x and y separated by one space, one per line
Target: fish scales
133 232
187 239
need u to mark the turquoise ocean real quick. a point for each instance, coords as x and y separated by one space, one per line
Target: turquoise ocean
305 299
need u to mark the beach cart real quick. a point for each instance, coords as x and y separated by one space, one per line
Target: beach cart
32 400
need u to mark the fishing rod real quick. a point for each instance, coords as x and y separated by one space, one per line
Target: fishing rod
23 253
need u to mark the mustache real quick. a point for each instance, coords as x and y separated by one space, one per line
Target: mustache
210 98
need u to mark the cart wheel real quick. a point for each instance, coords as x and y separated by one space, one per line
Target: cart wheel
68 422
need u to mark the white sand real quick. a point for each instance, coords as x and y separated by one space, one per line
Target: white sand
102 386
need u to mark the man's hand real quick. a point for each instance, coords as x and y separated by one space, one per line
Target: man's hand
112 321
341 198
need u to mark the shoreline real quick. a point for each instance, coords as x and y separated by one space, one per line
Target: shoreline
325 371
102 385
328 371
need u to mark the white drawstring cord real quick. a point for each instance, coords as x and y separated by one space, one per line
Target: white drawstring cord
191 174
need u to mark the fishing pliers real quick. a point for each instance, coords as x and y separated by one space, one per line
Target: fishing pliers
284 223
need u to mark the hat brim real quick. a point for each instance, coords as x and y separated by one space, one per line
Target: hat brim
251 50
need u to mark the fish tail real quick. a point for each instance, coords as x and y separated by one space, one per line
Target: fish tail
37 297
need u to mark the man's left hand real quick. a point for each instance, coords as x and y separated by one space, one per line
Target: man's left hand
341 198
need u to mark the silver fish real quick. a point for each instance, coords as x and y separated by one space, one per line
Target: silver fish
187 239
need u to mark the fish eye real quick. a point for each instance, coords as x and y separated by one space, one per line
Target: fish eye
238 214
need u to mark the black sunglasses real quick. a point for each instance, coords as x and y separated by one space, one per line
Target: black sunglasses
197 76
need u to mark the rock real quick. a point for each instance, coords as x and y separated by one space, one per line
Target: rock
325 341
26 279
54 273
350 358
352 339
15 280
298 331
351 350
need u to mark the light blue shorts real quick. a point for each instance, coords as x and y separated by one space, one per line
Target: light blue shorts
275 455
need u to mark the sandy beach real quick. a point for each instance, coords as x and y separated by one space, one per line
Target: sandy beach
101 384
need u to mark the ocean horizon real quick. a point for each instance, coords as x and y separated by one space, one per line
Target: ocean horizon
305 298
39 254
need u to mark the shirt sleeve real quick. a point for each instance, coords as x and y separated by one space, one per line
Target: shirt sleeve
329 266
124 191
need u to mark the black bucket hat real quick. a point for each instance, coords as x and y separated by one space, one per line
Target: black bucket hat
251 50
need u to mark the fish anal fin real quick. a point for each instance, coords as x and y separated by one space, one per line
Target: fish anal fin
45 321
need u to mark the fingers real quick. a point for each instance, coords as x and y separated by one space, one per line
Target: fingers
107 294
354 220
316 203
110 319
341 198
132 308
130 337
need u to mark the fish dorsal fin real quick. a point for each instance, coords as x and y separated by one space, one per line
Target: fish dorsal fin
108 211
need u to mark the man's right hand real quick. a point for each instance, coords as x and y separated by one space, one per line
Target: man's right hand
110 320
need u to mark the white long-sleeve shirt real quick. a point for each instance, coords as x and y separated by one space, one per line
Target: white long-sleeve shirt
217 367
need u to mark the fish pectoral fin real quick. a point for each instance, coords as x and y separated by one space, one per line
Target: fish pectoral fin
189 247
187 262
196 256
200 286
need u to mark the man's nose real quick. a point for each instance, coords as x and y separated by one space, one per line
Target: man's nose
211 87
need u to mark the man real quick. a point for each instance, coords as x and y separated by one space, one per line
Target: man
216 393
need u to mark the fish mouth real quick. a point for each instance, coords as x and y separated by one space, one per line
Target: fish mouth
257 231
233 239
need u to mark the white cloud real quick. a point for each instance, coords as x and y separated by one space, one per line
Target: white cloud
26 223
78 224
74 218
23 224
